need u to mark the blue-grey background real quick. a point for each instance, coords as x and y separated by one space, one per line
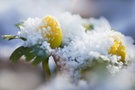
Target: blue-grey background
120 13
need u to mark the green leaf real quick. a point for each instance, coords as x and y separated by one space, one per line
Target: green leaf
41 55
29 54
34 53
10 37
90 27
37 60
17 54
18 25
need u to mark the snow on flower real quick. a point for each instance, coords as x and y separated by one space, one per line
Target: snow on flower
28 31
37 31
80 48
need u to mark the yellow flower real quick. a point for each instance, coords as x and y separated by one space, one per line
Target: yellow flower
51 31
118 49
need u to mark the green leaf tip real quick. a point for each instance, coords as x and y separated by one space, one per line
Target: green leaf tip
11 37
18 25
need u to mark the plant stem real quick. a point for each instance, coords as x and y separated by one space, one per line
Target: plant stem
56 60
45 65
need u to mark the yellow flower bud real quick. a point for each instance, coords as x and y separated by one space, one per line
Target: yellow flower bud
118 49
51 31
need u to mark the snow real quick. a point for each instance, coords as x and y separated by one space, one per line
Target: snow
81 49
28 31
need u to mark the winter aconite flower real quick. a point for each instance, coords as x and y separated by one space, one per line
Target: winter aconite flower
51 31
118 49
86 45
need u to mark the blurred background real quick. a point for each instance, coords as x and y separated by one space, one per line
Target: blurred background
120 14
